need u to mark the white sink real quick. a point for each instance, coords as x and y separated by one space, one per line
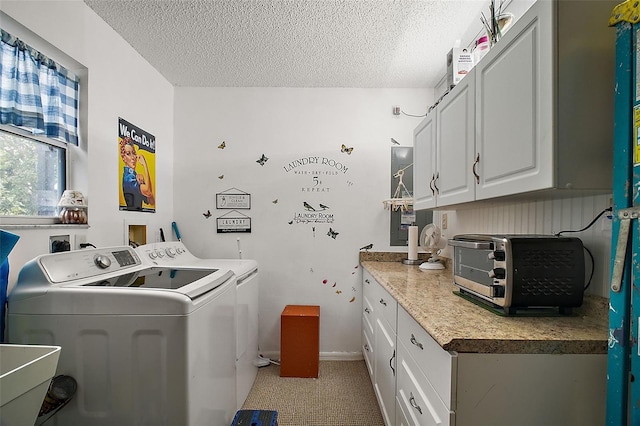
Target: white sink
25 374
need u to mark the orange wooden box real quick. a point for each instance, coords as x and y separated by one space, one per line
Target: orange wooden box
299 341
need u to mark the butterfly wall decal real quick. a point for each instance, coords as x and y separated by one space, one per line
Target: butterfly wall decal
263 159
207 214
333 234
395 142
275 201
222 145
221 177
347 150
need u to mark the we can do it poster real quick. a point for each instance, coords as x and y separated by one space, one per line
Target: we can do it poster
137 168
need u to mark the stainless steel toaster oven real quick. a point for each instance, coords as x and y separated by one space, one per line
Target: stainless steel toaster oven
520 271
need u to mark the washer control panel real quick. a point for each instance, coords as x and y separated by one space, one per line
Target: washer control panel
164 253
74 265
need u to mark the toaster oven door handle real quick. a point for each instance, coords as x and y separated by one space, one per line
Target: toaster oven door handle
482 245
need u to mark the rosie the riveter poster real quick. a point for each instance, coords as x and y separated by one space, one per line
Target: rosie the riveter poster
137 168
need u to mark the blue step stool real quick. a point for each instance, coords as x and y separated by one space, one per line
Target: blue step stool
255 418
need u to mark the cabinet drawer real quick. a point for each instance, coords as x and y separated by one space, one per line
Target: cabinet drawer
367 351
385 306
382 303
368 283
419 402
401 417
367 315
438 365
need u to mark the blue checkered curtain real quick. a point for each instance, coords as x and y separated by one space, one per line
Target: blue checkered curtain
36 93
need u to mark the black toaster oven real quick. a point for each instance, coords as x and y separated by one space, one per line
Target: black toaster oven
520 271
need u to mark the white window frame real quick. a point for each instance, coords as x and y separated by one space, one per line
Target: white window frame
76 157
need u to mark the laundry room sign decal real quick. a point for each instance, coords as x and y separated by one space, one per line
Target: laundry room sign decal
318 178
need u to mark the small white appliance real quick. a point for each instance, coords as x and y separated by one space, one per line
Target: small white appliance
147 345
176 254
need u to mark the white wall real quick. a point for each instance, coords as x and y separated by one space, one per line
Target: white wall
288 125
120 84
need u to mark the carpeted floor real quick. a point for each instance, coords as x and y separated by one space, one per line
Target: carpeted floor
342 395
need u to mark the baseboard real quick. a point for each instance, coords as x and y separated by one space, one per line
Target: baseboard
341 356
324 356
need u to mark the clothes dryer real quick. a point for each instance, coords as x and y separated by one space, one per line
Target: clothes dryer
147 344
176 254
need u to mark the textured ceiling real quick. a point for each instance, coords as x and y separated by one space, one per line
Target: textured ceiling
293 43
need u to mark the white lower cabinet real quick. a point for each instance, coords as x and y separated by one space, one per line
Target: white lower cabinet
417 383
436 387
379 319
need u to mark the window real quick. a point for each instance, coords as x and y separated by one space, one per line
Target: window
39 114
32 175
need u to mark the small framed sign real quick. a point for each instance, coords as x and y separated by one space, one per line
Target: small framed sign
233 221
233 200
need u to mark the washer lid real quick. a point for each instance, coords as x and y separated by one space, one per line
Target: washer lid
188 281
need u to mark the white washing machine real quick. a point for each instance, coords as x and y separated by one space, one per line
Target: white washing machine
148 345
174 253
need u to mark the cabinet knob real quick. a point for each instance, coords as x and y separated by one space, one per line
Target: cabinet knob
366 347
382 302
415 342
413 403
367 281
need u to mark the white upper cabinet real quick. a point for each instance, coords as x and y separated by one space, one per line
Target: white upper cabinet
424 163
455 142
514 126
541 109
444 150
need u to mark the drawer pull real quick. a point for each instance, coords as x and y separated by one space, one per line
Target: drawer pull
391 362
412 401
415 342
367 281
434 183
473 168
382 302
367 310
366 347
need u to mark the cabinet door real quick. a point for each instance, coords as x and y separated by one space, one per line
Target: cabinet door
515 108
424 148
455 146
385 370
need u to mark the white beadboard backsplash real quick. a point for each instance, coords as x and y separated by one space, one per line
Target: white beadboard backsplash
543 217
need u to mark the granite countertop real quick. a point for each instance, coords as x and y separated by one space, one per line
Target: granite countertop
462 326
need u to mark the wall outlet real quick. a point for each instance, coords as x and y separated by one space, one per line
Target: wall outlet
396 110
445 222
79 239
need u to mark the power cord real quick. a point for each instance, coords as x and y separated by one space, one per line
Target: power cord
608 209
593 263
432 106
